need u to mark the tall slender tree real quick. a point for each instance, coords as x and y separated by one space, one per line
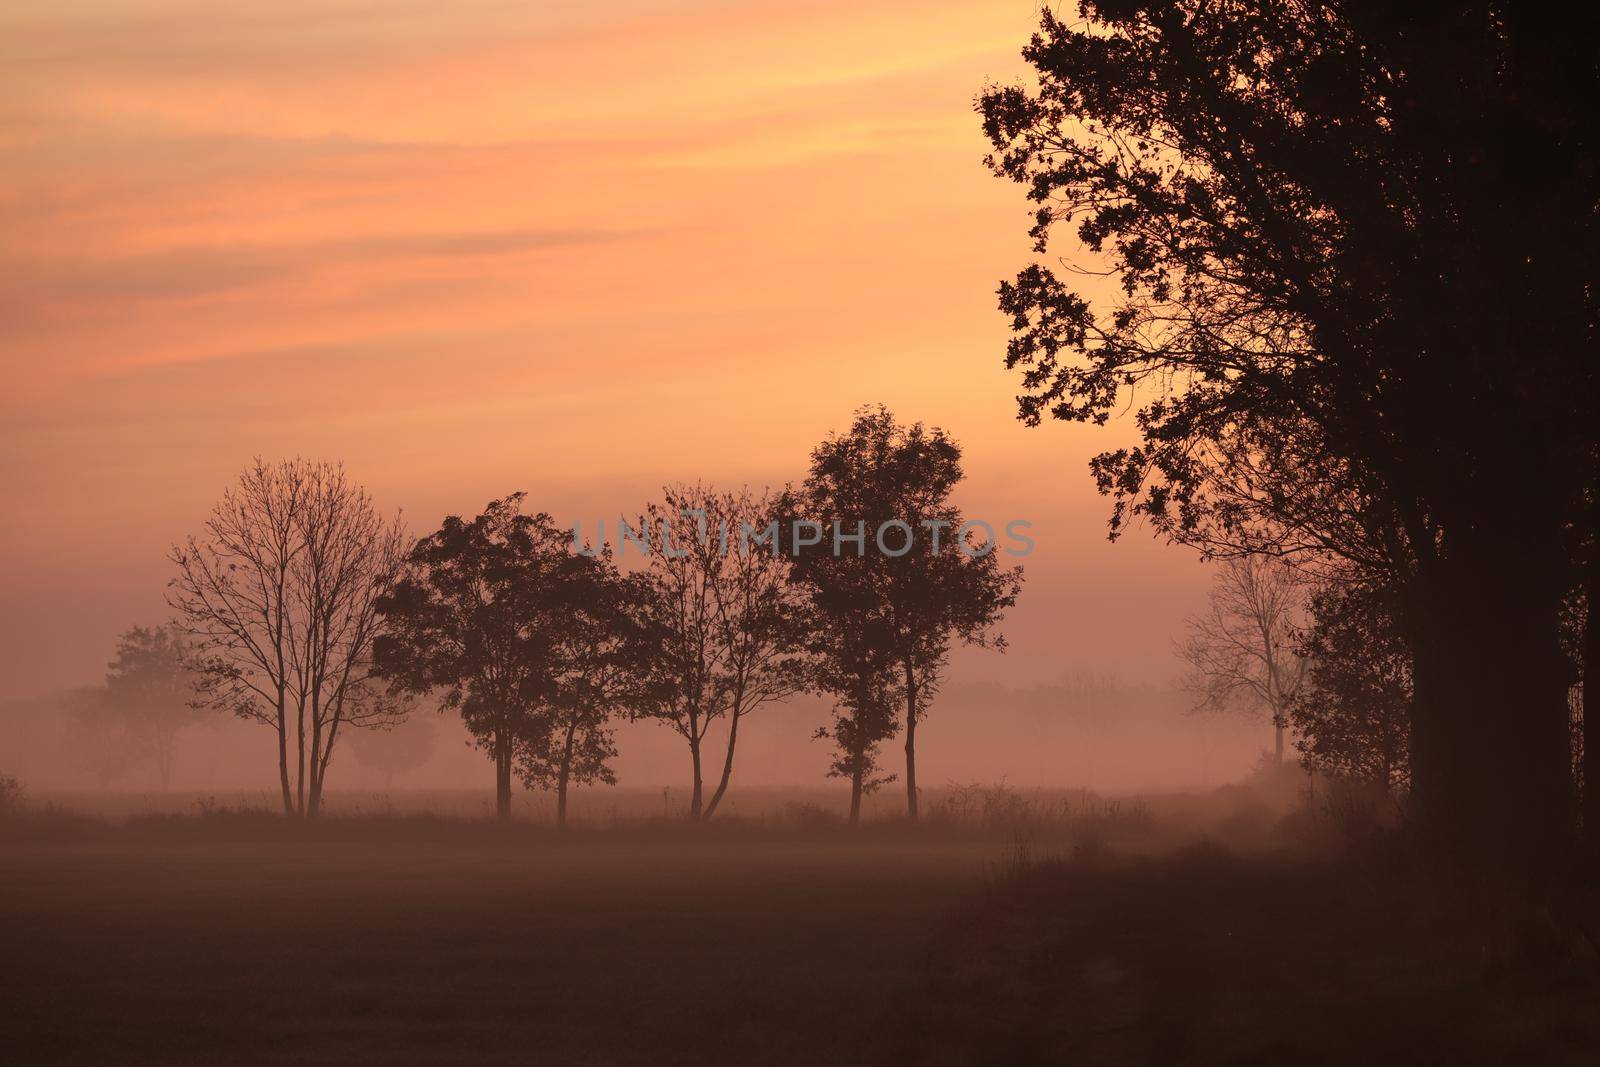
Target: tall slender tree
852 661
760 615
1242 651
687 689
726 620
278 602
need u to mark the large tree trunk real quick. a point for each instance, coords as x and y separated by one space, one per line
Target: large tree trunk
912 712
1591 706
1277 738
855 794
564 775
1491 750
502 776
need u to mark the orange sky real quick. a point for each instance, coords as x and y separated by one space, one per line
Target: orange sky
573 248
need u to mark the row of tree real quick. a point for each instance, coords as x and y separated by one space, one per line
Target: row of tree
302 608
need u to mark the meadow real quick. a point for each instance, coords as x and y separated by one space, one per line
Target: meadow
1009 928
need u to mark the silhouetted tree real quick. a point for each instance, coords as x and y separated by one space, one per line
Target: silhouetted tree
478 616
725 619
687 686
101 737
397 748
760 613
150 686
278 600
851 656
602 658
1353 712
1242 653
881 494
1359 321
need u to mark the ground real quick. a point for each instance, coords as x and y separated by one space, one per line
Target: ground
1207 958
439 948
436 941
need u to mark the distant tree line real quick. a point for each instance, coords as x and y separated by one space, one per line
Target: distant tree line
303 609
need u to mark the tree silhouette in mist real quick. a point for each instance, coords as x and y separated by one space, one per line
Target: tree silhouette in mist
151 687
1353 713
601 666
881 493
1355 248
478 617
726 617
397 748
278 603
1242 651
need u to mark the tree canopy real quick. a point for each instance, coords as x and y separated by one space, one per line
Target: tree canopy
1356 321
479 616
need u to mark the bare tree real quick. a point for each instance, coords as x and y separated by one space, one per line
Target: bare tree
688 686
760 614
1242 651
279 599
727 619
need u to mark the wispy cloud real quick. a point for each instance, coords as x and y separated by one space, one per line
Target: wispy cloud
190 272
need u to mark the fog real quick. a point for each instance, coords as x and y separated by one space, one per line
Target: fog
1087 731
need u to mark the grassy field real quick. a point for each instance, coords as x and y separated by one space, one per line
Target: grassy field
241 938
424 945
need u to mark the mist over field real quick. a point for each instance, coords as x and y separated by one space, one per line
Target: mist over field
967 532
1092 732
